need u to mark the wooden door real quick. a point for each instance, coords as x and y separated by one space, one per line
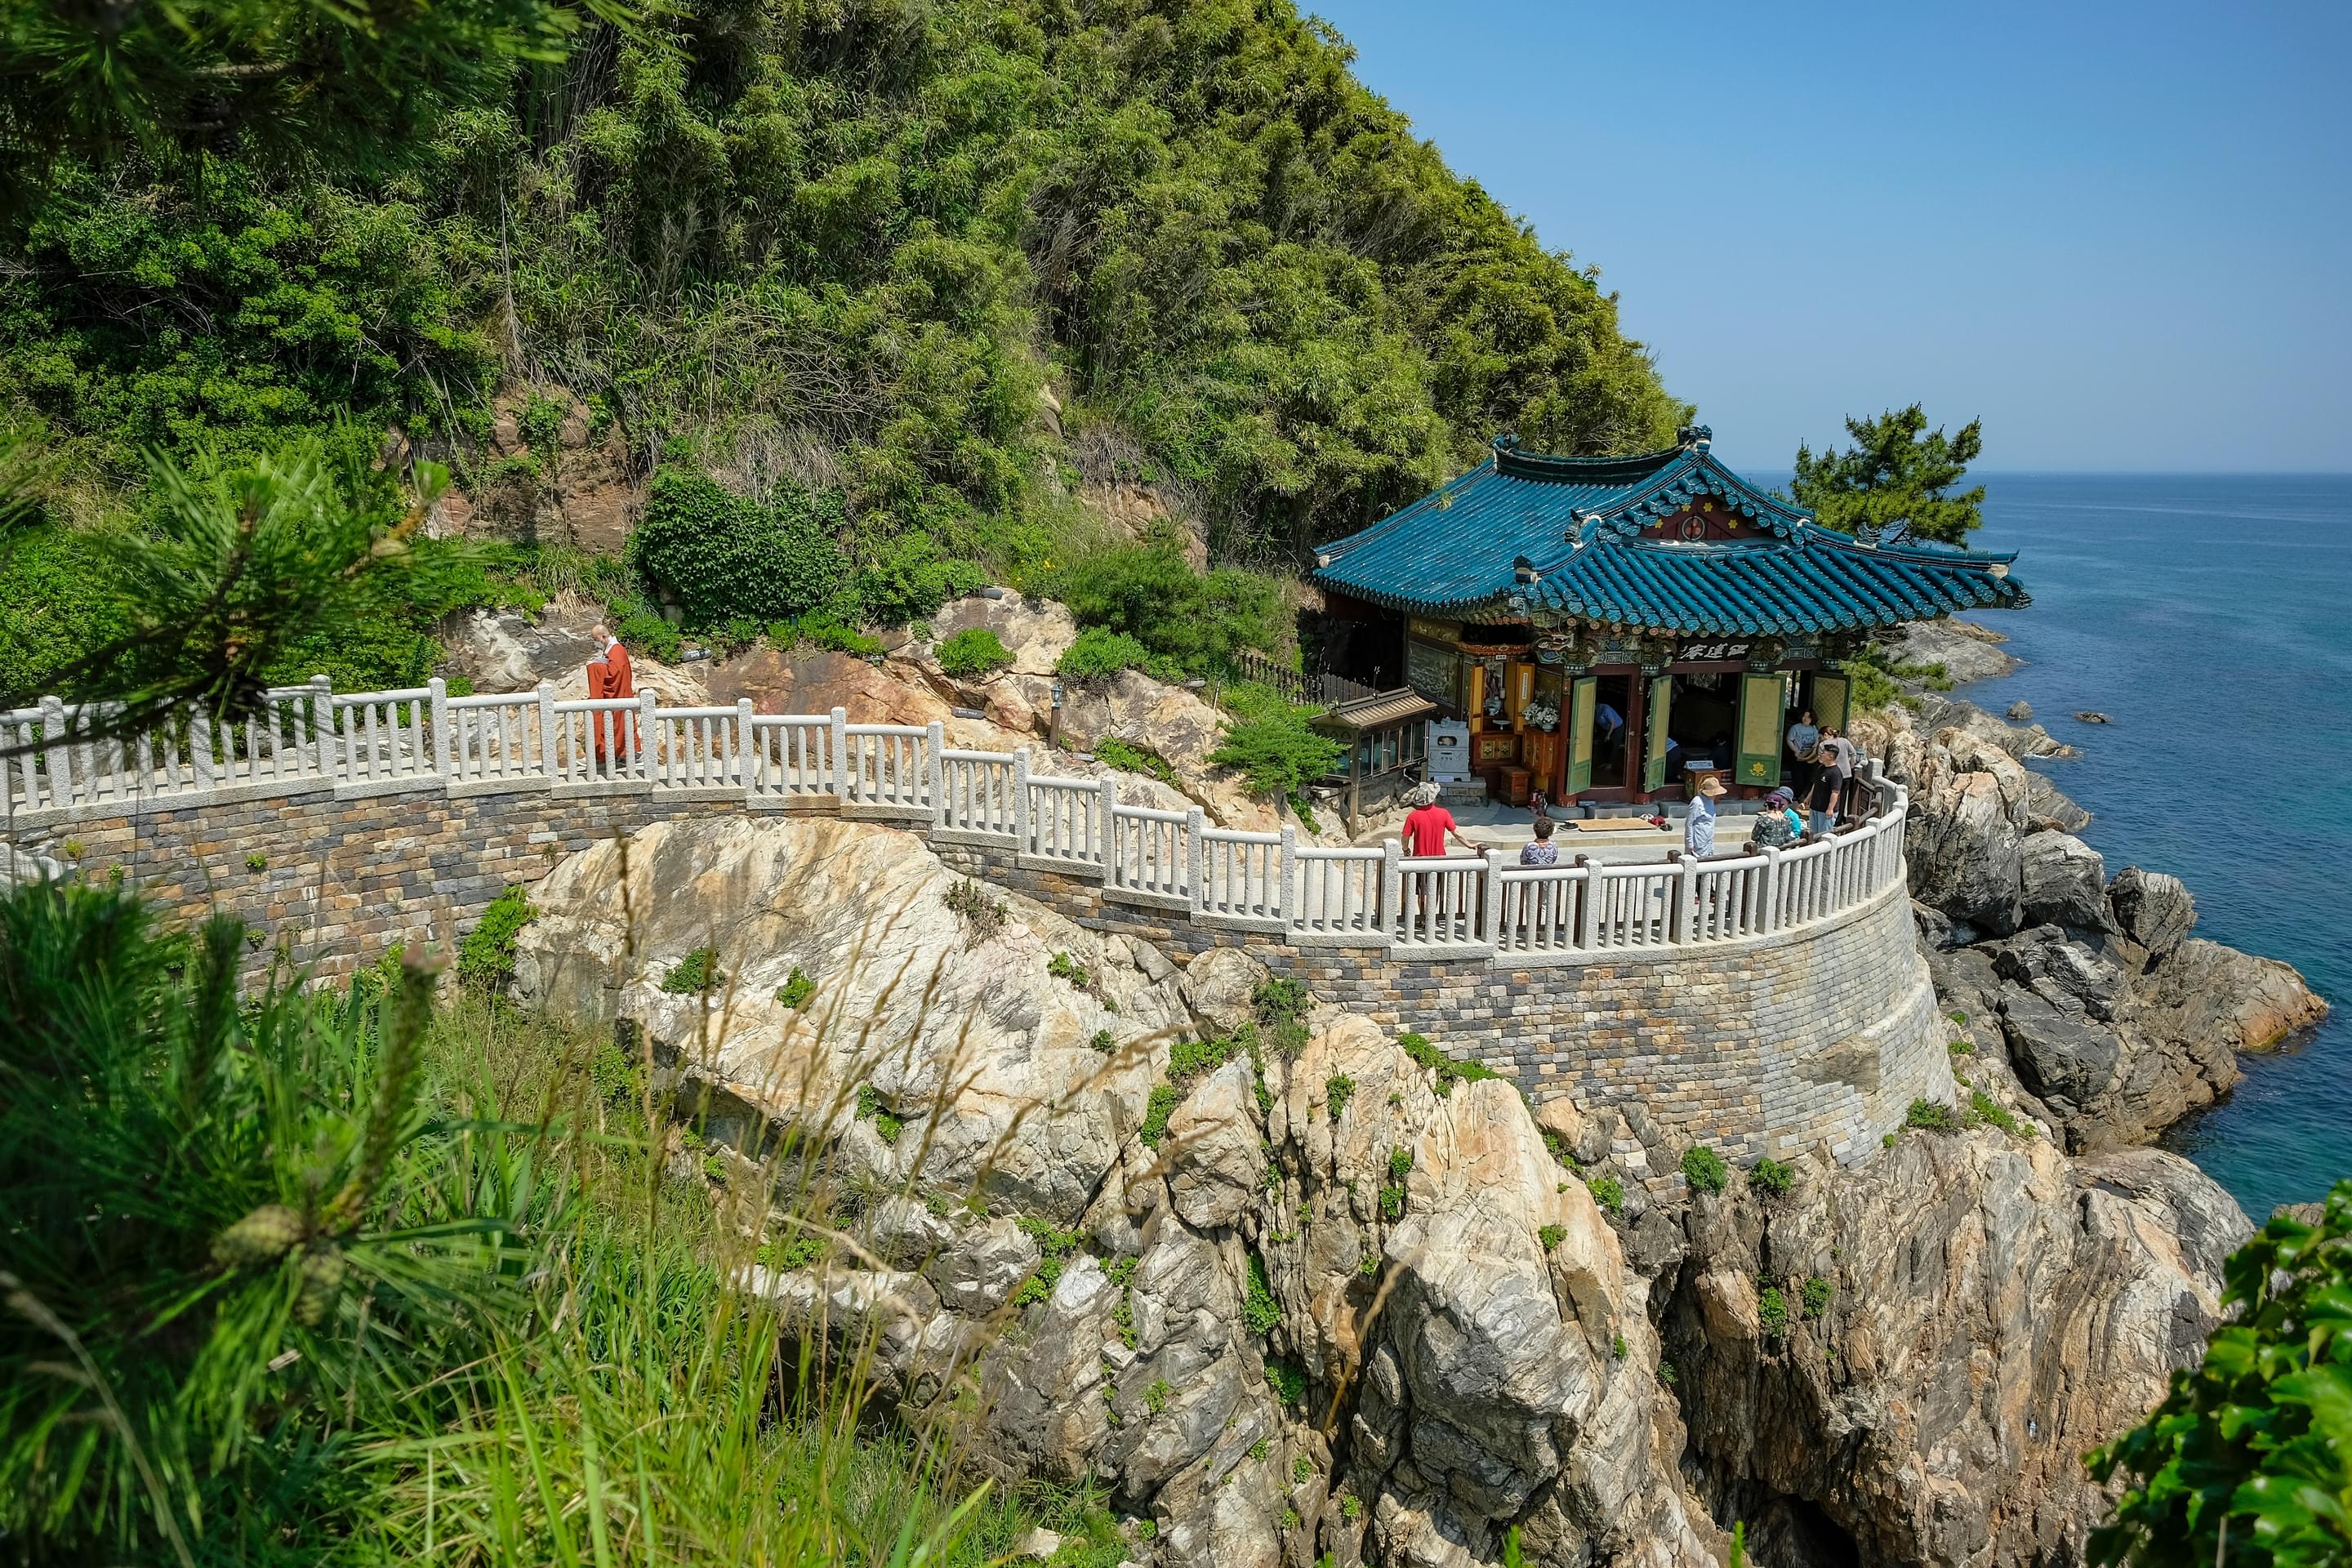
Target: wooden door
1761 709
1653 754
1583 698
1829 700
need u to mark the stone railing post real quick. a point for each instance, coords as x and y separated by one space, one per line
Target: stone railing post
648 733
841 755
1019 800
551 754
1587 915
1196 855
1109 839
1772 917
750 757
58 756
322 726
200 747
436 720
1285 875
1678 915
1391 909
935 770
1492 915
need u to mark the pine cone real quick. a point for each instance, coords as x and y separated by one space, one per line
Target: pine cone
262 1237
323 1281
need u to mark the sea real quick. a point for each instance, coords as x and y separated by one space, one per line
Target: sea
2210 617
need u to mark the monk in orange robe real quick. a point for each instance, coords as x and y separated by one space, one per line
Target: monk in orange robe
610 677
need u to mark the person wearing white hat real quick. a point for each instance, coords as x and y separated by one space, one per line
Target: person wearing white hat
1698 827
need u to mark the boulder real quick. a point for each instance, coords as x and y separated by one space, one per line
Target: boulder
2060 880
809 679
2019 712
2152 908
2064 1055
1216 1166
1966 651
1041 1393
979 1267
1221 987
2207 995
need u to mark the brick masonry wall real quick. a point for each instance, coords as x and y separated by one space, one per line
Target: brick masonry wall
1819 1040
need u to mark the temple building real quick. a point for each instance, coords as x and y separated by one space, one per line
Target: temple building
1610 628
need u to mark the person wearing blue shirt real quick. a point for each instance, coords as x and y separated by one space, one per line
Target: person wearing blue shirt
1698 827
1804 735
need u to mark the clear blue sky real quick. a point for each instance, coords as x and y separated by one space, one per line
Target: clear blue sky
2121 234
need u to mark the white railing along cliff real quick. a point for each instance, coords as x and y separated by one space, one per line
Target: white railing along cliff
310 739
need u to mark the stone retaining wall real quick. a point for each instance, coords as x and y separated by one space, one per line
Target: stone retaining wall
1820 1037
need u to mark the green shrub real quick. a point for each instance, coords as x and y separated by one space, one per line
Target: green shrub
1392 1201
1337 1089
1930 1116
906 579
1400 1164
1100 654
798 1252
1103 1042
1189 1058
872 1107
973 652
796 990
2251 1453
485 955
1288 1383
1816 1295
1886 1141
1164 1100
721 556
1551 1235
1281 1005
1272 742
1260 1310
1157 1394
1772 1177
1302 1470
1608 1191
1704 1169
696 972
1062 966
1351 1507
1772 1310
1197 621
1449 1071
1984 1108
1055 1248
1117 754
257 862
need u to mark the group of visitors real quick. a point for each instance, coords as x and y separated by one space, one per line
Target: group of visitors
1823 763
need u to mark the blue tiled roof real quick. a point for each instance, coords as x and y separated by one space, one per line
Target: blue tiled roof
1577 523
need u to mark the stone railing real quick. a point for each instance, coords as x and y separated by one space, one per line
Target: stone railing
308 740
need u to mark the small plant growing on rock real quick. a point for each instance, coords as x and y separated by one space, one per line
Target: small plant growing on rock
1887 1142
1608 1191
1816 1295
1289 1517
1337 1089
973 652
1772 1177
1062 966
1772 1310
486 956
1369 1263
795 990
872 1107
256 862
1260 1310
1055 1248
1558 1148
1289 1383
1703 1169
1114 753
1551 1235
1929 1116
797 1252
1617 1345
1666 1374
696 972
1156 1113
1963 1047
982 912
1281 1006
1351 1508
1449 1071
1302 1470
1102 1042
1984 1108
1157 1394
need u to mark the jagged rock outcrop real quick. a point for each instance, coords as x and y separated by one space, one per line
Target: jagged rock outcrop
1474 1349
1982 1311
1966 651
2113 1018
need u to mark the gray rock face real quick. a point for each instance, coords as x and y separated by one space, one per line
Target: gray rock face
1219 987
2153 908
976 1270
1966 651
2060 882
1216 1163
2062 1055
2019 712
1994 1310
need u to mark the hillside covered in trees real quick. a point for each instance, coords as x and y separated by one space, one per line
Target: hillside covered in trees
929 267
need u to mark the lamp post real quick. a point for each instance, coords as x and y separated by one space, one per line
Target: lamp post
1054 718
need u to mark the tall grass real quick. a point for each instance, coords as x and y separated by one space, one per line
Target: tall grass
303 1277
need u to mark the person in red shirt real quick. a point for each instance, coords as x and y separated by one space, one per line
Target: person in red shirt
1429 824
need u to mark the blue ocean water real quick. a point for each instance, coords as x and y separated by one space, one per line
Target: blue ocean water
2210 617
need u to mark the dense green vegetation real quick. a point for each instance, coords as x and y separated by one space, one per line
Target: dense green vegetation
2249 1459
320 1276
1897 480
831 254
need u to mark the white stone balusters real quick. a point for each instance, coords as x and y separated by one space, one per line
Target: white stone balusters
1196 854
551 754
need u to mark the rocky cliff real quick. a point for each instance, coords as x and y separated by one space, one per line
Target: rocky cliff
1286 1291
2088 987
